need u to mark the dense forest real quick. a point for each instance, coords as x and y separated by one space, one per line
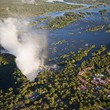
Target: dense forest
81 79
81 83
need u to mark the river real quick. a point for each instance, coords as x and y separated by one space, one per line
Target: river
75 35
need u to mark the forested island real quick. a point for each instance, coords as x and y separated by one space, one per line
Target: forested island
96 28
65 20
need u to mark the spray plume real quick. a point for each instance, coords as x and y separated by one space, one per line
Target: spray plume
28 1
55 0
23 43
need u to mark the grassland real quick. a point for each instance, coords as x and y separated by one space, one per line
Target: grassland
28 10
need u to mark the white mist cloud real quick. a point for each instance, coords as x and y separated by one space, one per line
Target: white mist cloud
55 0
28 1
23 43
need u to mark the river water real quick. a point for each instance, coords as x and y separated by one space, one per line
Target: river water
75 36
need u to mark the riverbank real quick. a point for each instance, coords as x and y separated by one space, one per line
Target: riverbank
89 1
30 10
